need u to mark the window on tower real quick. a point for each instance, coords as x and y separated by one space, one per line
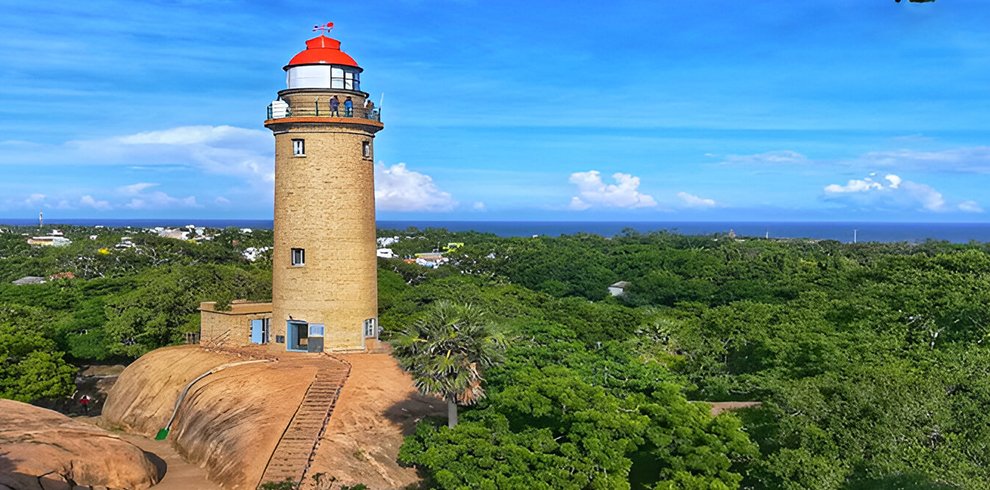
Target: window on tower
299 148
366 150
298 256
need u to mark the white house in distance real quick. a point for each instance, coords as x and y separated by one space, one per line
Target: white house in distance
49 241
619 288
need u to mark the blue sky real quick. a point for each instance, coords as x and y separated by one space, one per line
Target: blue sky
650 111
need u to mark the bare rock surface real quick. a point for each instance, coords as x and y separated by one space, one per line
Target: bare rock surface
229 423
43 449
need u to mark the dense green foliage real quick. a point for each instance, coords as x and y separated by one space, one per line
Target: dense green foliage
871 360
122 302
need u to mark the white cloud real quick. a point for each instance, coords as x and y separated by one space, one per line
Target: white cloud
894 193
777 157
133 189
929 198
478 206
693 201
970 207
137 198
161 200
894 180
191 135
90 202
854 185
592 191
399 189
220 150
972 159
35 199
578 205
223 201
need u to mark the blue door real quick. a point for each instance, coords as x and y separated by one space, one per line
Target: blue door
297 336
257 331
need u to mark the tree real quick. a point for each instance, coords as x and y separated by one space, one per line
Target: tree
550 429
30 367
447 352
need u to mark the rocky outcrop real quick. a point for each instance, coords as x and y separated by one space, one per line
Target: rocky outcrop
42 449
230 422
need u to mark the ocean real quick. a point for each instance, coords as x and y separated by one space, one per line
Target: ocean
841 231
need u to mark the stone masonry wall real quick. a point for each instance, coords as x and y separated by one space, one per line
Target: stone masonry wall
227 328
325 204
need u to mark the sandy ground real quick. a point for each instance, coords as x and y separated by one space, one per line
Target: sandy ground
376 409
178 474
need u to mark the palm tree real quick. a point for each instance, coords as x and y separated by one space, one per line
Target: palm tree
447 352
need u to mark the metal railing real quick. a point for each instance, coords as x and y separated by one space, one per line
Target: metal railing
323 110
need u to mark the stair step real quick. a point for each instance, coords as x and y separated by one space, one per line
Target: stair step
297 447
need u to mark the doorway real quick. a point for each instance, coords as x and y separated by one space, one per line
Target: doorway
297 336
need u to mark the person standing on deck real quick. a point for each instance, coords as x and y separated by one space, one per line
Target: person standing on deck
334 106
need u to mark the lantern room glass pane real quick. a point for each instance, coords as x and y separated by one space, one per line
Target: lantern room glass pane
336 77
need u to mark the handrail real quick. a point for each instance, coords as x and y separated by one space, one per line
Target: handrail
323 110
185 391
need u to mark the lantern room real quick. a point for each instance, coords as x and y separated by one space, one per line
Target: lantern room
322 65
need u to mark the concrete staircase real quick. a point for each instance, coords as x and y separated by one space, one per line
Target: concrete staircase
295 450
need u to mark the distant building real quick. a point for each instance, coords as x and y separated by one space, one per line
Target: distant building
386 241
252 253
174 234
28 280
49 241
619 288
125 243
385 253
431 259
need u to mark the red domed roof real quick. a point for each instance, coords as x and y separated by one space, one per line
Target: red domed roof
322 50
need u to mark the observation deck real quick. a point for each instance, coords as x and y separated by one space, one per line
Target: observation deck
310 107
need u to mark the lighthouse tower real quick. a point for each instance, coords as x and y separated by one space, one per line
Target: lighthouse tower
324 269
